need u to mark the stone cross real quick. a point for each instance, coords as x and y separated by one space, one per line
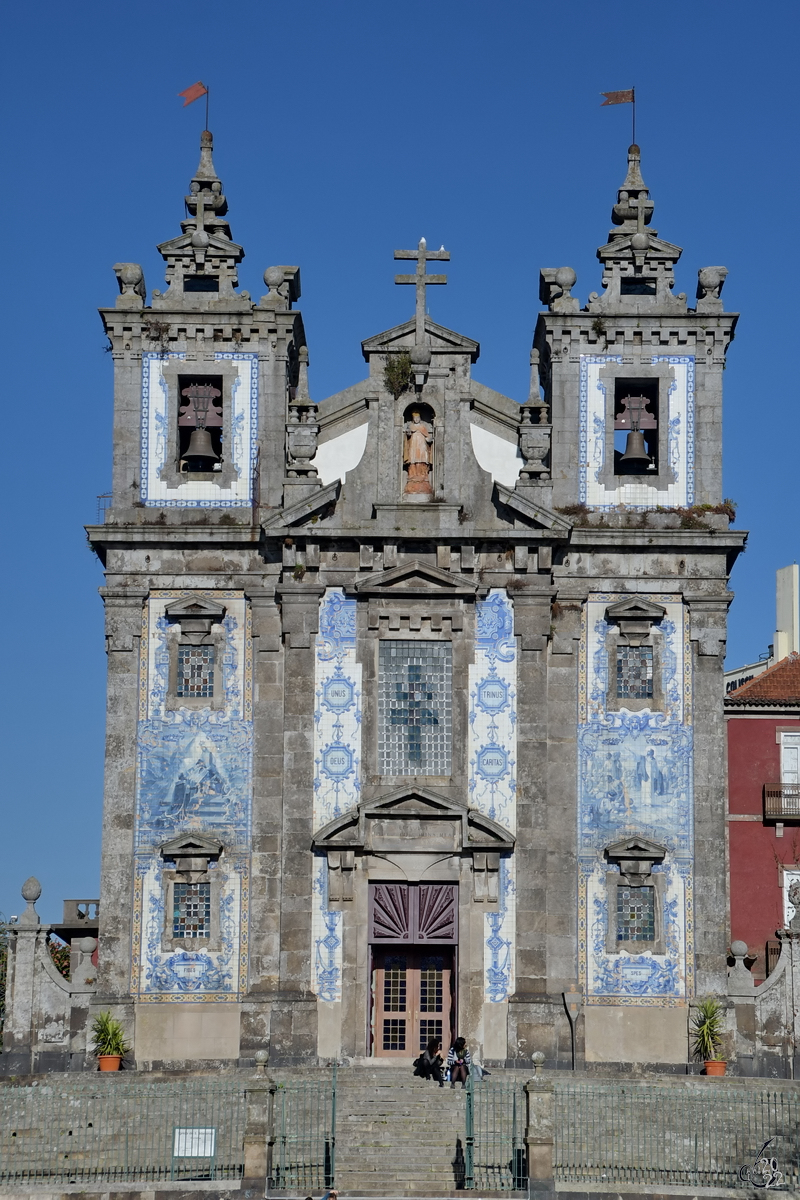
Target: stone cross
421 280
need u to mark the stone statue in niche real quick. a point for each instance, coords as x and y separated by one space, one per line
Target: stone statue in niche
418 457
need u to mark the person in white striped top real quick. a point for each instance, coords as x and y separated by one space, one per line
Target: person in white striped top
459 1061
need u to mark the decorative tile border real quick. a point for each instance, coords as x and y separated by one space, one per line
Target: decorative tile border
635 776
194 772
153 491
337 769
492 753
592 437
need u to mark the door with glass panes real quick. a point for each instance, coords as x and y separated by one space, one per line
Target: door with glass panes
413 939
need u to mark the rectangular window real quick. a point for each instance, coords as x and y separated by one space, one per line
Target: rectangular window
191 910
415 708
790 758
636 914
196 672
635 672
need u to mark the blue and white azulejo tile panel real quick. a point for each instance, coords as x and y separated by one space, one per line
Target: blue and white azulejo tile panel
635 776
493 769
634 492
154 491
193 775
337 768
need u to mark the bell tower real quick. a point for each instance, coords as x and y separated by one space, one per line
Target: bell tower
212 422
628 392
634 379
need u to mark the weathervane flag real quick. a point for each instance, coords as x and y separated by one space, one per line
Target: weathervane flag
626 97
193 93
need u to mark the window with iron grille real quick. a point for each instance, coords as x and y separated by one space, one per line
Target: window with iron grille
636 914
191 910
635 672
195 672
415 707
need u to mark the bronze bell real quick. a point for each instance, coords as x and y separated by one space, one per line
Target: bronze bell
635 450
200 448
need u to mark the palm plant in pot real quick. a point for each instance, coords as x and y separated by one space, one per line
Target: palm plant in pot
707 1031
108 1042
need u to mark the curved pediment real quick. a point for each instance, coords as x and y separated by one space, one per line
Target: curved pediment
414 819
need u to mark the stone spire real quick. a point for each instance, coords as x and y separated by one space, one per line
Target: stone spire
638 266
634 208
202 261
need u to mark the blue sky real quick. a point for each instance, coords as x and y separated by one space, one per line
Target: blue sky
344 130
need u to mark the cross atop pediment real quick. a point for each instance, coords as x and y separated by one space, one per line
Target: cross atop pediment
421 280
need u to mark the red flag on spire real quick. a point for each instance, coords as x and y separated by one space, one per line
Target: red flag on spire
193 93
611 97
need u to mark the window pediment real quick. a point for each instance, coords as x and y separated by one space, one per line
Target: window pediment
416 579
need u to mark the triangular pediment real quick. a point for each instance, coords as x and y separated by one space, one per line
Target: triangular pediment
192 845
416 579
657 248
635 609
216 245
195 606
530 511
636 847
474 831
402 337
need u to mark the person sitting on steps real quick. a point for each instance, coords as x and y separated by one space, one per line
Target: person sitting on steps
459 1061
430 1062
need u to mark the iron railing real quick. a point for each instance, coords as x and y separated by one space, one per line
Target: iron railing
304 1124
646 1134
494 1143
122 1130
782 800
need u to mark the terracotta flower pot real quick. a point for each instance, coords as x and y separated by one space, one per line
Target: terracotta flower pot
109 1062
715 1066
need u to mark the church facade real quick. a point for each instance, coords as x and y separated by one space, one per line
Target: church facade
415 693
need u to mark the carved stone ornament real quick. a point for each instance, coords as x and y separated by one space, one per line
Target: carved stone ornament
130 278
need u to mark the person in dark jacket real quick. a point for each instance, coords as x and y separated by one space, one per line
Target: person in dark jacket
430 1062
459 1061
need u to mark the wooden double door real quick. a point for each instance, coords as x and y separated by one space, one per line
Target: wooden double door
413 996
413 943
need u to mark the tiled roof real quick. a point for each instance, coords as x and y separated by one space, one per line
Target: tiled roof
779 684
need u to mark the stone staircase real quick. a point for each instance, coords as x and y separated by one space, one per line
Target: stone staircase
397 1135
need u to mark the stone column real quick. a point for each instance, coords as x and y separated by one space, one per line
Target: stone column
258 1137
18 1031
293 1027
539 1139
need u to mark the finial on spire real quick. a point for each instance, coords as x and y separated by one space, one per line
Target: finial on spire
206 168
634 208
202 260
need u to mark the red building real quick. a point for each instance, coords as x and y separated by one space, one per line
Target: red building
763 721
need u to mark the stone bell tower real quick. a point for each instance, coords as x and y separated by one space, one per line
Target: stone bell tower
211 424
633 385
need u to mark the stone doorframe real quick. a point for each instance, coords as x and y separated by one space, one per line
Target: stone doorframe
410 834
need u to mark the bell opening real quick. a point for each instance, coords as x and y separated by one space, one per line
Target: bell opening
200 421
636 413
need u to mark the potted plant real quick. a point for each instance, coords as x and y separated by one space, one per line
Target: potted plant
108 1042
707 1030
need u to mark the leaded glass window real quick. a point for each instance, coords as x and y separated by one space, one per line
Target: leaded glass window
415 708
635 672
191 910
636 914
196 672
